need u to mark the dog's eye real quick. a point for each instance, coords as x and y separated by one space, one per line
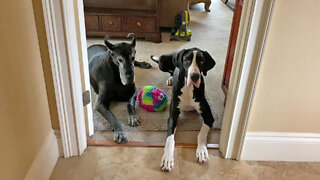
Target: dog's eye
133 58
120 60
201 62
188 61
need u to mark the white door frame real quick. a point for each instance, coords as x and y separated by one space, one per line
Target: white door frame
65 30
83 58
254 23
61 30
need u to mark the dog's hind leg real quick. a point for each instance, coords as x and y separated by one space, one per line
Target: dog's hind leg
167 161
133 118
165 65
154 59
143 65
103 109
202 152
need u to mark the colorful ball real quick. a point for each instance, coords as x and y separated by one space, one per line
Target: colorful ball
151 98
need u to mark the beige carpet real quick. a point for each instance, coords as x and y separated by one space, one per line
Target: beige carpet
210 33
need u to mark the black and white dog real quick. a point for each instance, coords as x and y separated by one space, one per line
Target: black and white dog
186 67
111 70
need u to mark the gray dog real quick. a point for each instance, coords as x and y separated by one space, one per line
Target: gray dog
111 70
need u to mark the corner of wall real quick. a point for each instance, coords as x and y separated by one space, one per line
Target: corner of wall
45 160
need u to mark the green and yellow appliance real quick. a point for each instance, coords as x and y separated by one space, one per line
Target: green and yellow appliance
181 31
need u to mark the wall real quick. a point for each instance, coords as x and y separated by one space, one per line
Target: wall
45 57
287 97
24 112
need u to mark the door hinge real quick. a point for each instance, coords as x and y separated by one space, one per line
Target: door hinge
86 97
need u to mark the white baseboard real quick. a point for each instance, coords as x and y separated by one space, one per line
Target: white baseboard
277 146
45 160
57 133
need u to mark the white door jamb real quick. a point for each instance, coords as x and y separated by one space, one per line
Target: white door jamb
64 58
253 29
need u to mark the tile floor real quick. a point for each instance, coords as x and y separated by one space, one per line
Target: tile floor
100 163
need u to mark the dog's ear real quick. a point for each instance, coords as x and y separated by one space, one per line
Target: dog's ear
209 64
108 44
133 42
177 58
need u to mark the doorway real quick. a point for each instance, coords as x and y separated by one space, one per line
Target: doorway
210 32
64 45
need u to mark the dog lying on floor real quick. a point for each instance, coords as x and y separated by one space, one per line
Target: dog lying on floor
188 94
111 69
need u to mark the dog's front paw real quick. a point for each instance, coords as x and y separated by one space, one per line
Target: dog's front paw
167 162
145 65
133 120
120 137
202 154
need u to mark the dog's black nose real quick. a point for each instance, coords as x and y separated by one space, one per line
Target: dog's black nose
194 77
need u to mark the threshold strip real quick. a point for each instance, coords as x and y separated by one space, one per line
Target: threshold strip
145 144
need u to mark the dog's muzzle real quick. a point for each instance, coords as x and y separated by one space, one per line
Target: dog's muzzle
194 73
194 79
127 80
126 75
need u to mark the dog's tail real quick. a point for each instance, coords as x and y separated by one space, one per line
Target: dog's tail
154 59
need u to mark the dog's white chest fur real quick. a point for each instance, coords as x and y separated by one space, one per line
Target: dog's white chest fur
187 102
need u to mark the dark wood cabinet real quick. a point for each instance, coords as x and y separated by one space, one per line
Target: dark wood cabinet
92 22
232 45
130 17
110 23
139 24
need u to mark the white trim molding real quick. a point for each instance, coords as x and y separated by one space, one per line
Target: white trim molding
64 59
71 42
84 64
45 160
59 140
281 146
252 33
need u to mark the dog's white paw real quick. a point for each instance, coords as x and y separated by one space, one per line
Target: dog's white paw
133 120
170 81
202 154
167 161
